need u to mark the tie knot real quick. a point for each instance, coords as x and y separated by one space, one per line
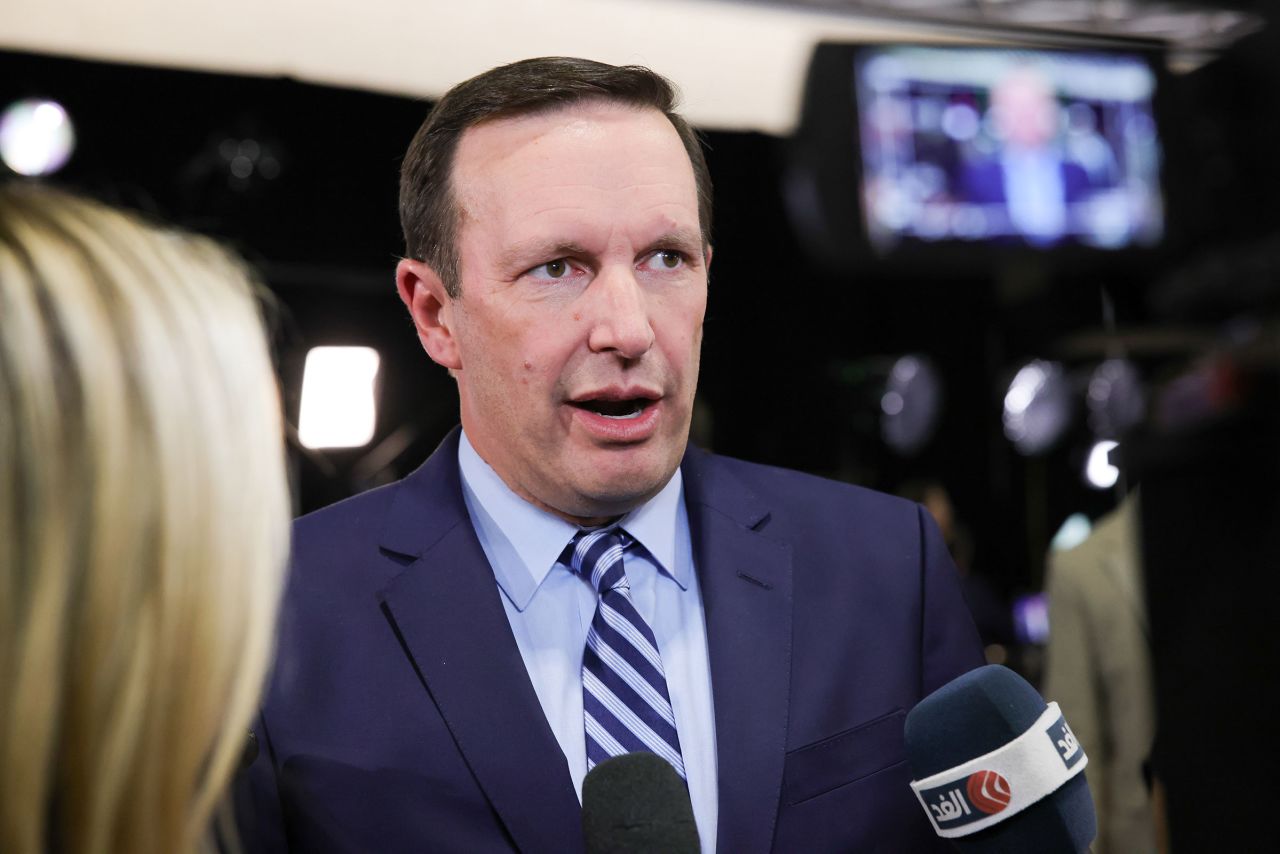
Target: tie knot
597 555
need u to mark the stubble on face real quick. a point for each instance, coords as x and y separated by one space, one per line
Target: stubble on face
584 280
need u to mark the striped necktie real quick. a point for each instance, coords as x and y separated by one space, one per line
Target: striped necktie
625 704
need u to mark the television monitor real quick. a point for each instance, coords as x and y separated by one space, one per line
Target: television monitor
1018 147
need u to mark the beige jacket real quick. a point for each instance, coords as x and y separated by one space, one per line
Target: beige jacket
1099 672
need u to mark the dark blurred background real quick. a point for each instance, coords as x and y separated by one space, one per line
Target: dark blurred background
792 344
807 319
781 332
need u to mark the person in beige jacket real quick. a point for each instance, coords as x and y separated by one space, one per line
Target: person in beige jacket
1099 671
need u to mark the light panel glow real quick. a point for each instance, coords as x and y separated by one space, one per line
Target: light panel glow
339 409
36 137
1098 470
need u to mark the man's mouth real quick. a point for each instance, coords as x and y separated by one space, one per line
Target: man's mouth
621 410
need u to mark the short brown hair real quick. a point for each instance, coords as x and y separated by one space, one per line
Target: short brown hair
428 209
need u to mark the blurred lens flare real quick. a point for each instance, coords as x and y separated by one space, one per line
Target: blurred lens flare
1074 531
338 408
36 137
1098 470
1116 401
910 404
1037 407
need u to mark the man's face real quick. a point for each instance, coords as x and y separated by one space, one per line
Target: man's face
584 284
1026 113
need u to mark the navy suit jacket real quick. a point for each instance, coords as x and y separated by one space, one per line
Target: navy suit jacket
400 717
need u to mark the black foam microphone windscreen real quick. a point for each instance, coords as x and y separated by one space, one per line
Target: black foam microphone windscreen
637 804
998 770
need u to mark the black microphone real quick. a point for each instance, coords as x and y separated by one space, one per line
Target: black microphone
637 804
997 770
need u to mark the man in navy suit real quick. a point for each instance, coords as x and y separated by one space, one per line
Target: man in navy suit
1028 187
432 692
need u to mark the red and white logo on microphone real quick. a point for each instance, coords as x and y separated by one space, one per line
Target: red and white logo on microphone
988 791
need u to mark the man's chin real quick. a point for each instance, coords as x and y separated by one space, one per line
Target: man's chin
615 491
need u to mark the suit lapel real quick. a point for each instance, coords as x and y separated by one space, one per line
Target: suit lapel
745 578
446 611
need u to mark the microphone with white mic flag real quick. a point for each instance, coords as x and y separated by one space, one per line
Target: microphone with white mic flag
997 770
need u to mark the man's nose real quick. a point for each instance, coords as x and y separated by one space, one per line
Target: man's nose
620 315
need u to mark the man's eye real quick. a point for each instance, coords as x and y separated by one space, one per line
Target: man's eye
665 259
556 269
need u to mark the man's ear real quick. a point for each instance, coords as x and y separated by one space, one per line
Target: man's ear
431 307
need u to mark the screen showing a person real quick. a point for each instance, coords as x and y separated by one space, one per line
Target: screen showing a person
1037 148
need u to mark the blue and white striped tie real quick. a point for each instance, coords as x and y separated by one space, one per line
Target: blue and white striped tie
625 704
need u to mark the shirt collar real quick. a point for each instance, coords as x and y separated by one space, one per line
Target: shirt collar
654 525
526 541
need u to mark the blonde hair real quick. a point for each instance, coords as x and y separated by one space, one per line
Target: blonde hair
143 527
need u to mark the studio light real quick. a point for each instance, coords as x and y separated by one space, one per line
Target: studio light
910 404
1098 470
1116 401
338 408
1037 407
36 137
246 159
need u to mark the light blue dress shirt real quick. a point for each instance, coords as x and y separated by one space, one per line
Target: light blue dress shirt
550 609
